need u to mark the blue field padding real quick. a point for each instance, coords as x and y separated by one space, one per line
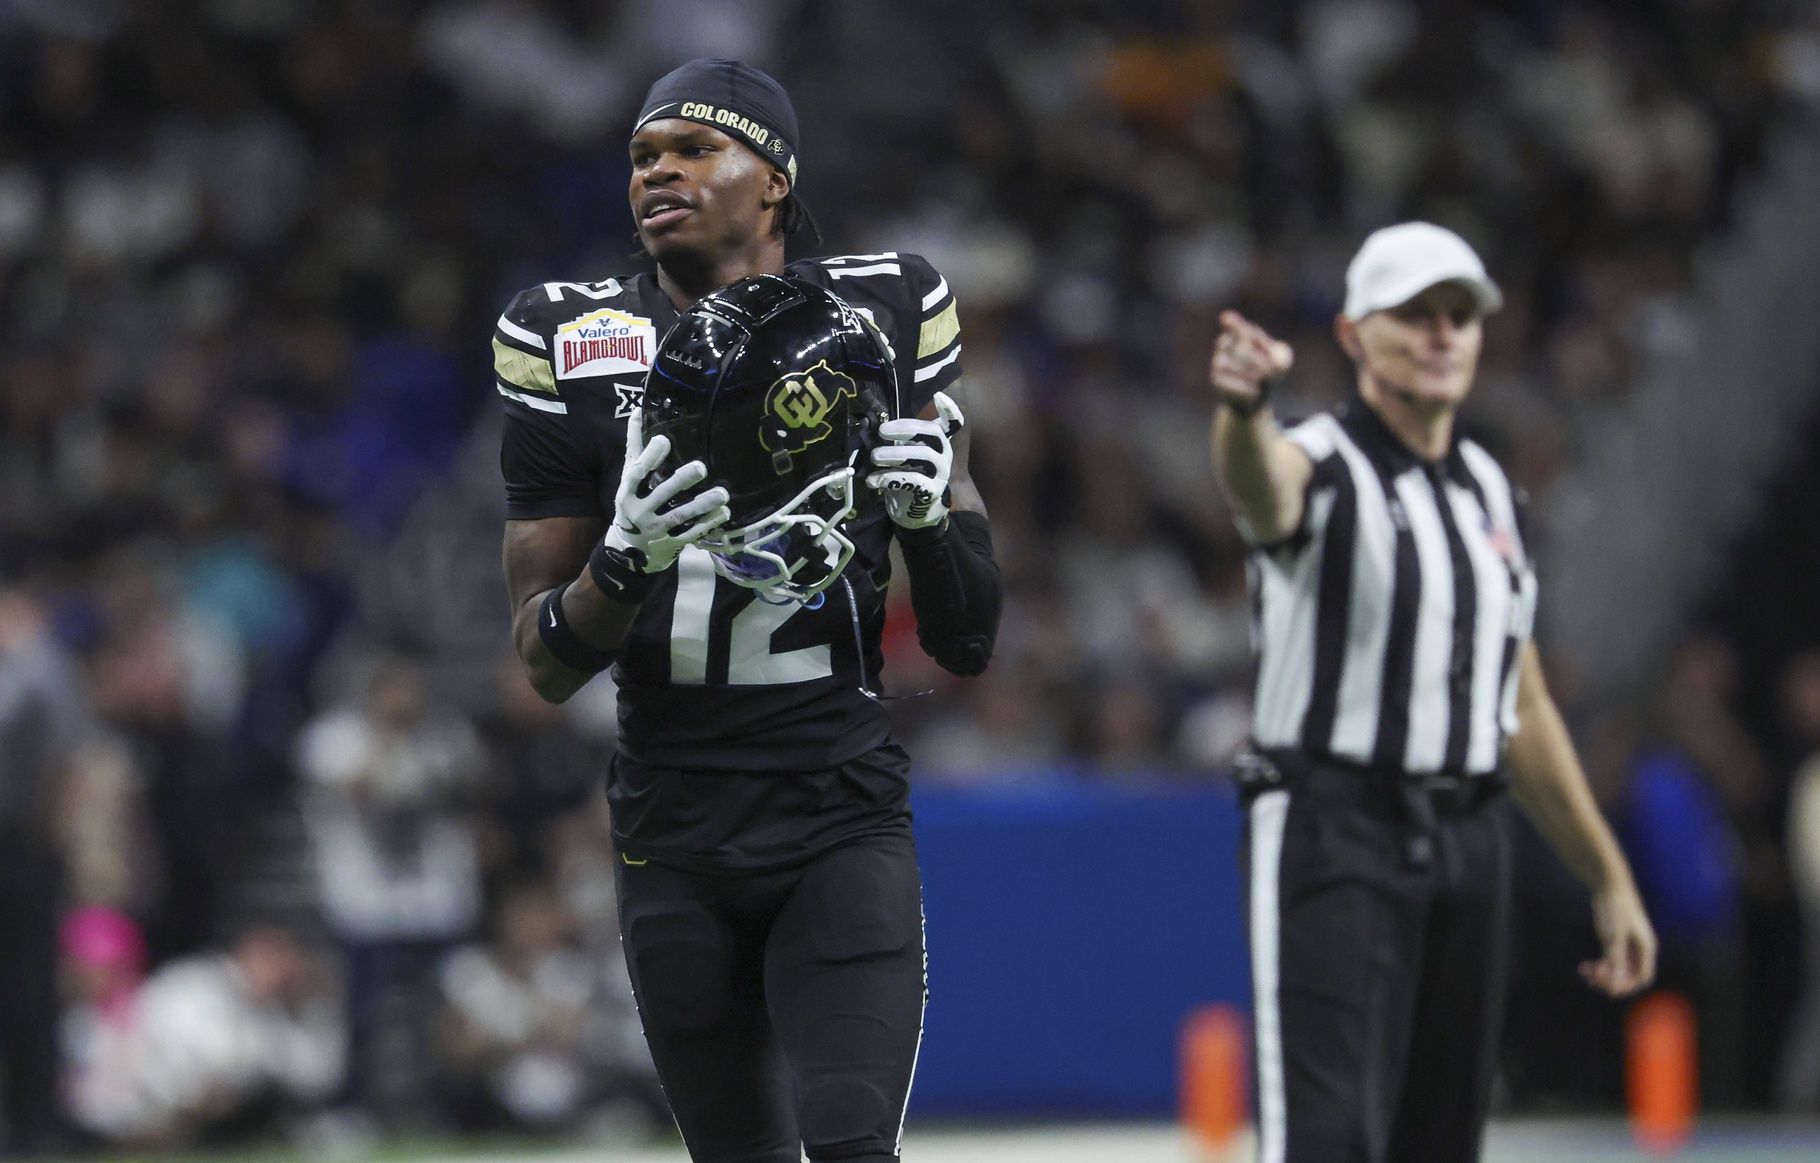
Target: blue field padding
1072 926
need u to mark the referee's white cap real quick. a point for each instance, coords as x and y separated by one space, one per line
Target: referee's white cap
1399 262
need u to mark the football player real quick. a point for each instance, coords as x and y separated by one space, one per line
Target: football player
711 518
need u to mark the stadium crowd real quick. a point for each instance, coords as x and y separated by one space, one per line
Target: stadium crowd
249 253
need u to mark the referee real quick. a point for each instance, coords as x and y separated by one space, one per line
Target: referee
1399 696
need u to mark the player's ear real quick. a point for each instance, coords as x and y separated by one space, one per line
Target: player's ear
1347 332
777 188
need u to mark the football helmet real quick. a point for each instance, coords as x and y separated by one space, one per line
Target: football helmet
779 388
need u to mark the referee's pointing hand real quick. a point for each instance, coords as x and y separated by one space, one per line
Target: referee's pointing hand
1244 357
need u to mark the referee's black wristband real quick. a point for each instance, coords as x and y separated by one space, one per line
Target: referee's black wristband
1256 404
617 575
560 639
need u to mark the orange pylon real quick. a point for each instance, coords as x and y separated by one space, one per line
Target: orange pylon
1214 1070
1662 1072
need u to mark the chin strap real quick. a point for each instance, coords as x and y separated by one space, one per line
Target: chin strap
812 603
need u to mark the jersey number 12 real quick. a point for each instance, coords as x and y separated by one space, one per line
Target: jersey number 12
750 661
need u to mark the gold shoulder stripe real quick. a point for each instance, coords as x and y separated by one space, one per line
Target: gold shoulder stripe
533 373
938 332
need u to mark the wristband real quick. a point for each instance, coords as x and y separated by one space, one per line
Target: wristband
560 639
925 534
618 576
1258 403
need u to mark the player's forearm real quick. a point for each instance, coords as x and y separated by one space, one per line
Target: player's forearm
553 681
598 621
955 591
1258 470
1551 787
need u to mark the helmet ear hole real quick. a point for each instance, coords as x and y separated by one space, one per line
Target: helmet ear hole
867 420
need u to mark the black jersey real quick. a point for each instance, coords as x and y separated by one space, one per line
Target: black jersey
710 677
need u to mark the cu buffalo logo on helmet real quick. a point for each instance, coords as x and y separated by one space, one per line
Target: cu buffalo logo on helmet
797 408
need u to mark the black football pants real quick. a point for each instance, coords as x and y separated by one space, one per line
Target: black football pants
1378 952
783 1009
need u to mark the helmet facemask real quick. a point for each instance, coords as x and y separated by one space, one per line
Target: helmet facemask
796 552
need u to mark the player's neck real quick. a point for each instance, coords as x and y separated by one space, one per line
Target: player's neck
688 277
1424 427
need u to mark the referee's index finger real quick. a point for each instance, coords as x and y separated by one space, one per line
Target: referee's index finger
1239 327
1258 343
1272 357
1243 330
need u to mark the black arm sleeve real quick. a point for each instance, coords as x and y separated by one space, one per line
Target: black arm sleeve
955 591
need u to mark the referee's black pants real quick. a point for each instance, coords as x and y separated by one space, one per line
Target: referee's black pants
783 1009
1379 918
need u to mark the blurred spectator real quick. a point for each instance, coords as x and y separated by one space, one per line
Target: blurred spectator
390 782
1215 731
1005 729
527 59
1689 785
167 677
212 1049
1699 710
540 768
1799 1084
517 1023
581 862
513 1019
44 723
104 958
1124 734
105 832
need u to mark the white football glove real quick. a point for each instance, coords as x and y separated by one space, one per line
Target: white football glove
915 466
645 535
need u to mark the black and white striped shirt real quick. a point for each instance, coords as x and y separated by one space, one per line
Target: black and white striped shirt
1389 624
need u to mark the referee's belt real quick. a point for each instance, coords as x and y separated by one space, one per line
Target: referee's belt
1421 796
1417 800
